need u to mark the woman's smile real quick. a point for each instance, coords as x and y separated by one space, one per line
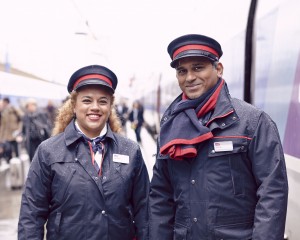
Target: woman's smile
92 109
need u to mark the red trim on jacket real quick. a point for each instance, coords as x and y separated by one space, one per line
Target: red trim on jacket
226 114
248 138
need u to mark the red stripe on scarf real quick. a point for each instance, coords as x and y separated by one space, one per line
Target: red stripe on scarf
176 152
212 101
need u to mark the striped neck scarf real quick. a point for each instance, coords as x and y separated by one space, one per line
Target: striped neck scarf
181 133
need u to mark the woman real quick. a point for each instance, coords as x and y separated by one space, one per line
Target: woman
87 181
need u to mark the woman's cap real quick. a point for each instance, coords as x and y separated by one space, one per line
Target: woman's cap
93 75
194 45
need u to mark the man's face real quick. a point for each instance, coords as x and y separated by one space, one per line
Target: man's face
196 75
92 109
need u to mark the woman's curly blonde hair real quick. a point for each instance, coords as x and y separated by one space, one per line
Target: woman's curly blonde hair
66 114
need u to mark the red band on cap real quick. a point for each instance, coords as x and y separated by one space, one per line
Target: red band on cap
195 47
98 76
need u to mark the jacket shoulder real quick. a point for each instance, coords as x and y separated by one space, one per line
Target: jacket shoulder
124 142
249 114
243 108
52 146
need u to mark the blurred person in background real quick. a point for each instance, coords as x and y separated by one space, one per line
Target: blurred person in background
87 181
220 171
10 128
36 127
122 111
51 111
136 116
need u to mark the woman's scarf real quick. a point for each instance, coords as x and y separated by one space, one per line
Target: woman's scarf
95 142
181 133
96 145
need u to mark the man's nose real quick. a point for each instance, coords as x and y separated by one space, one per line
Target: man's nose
190 76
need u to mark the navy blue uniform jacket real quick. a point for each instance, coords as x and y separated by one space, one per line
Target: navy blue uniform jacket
64 189
237 194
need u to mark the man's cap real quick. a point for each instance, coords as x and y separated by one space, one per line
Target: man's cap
194 45
93 75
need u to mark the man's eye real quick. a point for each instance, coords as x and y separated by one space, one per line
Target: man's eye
86 100
180 71
198 68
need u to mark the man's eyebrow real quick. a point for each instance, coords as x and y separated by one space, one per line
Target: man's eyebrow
198 63
179 67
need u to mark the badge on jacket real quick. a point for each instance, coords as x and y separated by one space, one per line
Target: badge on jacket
223 146
121 158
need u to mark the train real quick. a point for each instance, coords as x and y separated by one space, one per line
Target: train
270 80
262 66
19 86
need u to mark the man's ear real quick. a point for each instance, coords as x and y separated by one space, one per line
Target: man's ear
219 68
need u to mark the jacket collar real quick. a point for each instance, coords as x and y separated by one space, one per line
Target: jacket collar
224 106
222 109
71 134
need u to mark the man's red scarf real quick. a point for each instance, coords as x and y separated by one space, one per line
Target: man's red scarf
181 133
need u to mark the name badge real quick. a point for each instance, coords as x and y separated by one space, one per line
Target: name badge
121 158
223 146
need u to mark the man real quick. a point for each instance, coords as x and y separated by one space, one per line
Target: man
220 171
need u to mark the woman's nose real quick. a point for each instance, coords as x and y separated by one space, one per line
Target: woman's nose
95 105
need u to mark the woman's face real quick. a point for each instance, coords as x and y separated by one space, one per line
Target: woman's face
92 108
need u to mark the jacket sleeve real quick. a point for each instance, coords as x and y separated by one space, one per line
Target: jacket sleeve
269 170
140 199
35 200
162 207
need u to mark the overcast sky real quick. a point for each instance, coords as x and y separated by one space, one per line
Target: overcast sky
53 38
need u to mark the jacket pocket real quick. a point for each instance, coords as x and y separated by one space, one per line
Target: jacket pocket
238 231
233 162
180 232
64 184
121 229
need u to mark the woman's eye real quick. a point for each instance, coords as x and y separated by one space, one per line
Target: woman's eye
103 102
